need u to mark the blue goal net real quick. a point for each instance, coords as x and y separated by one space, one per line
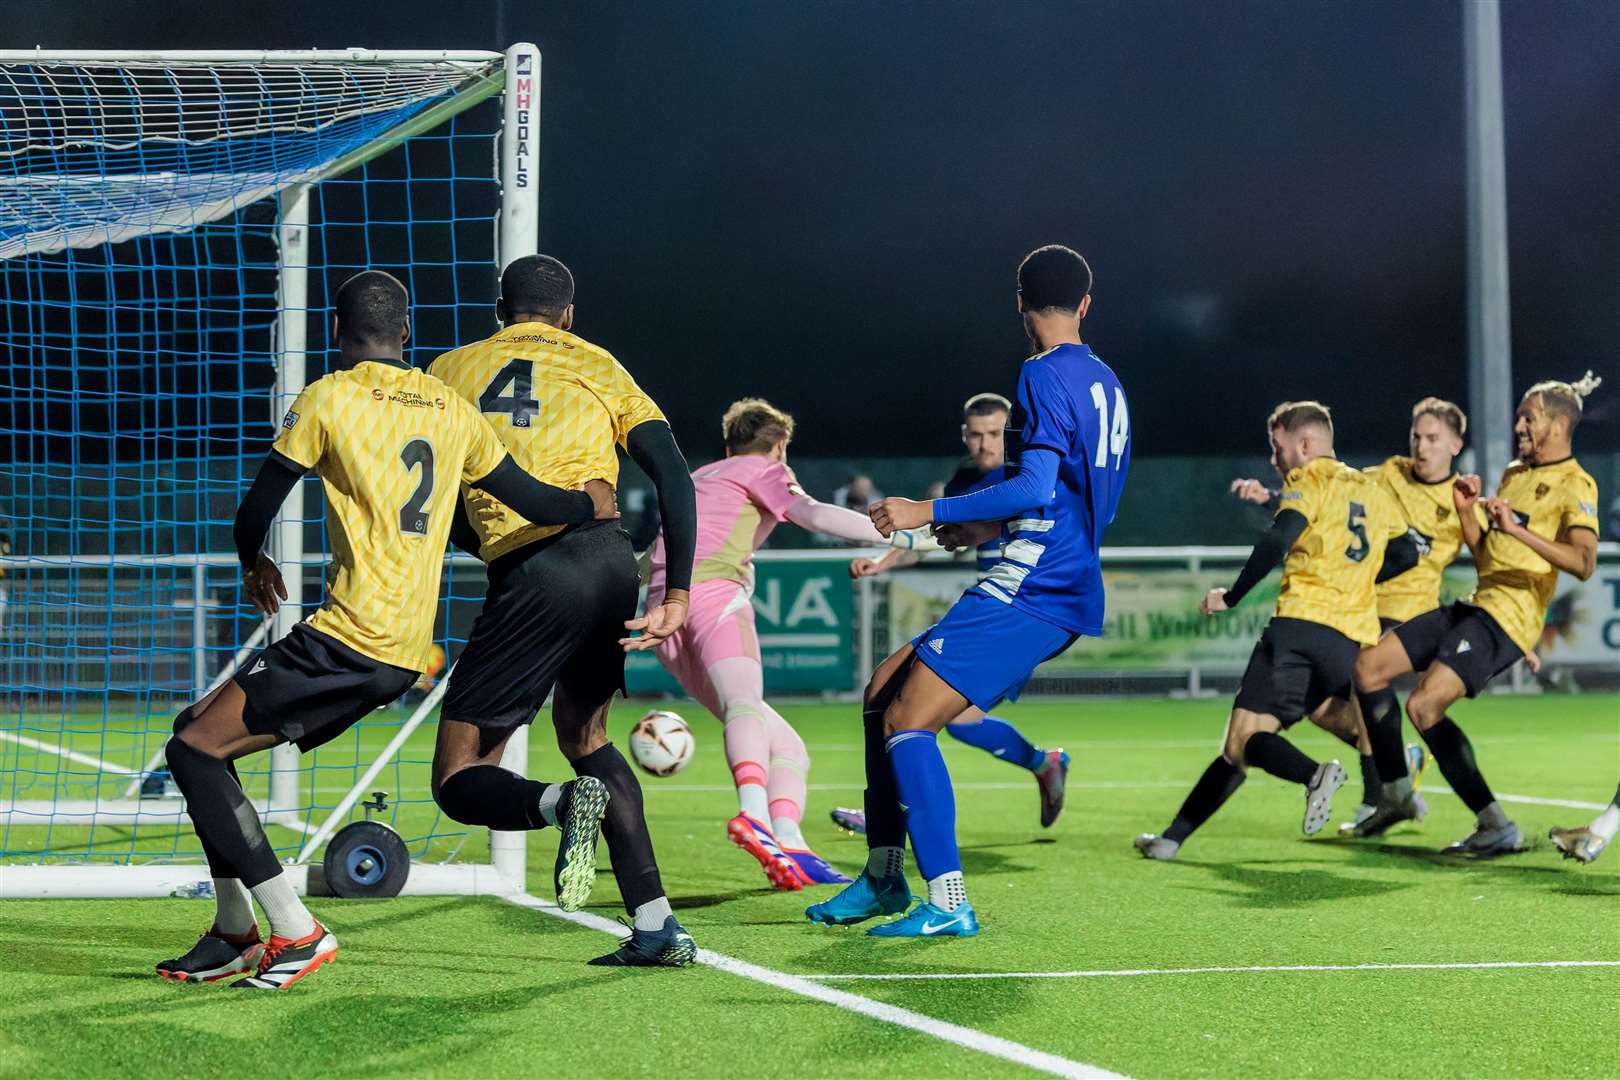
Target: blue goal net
150 290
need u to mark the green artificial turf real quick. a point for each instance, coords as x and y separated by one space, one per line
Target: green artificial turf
459 987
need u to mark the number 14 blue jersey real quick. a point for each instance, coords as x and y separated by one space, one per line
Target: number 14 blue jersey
1071 403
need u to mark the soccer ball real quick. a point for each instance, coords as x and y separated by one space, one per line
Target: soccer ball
661 743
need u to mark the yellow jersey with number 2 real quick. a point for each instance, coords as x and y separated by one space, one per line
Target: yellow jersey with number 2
392 446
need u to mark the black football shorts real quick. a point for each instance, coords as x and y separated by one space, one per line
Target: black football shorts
309 688
1295 666
553 616
1464 638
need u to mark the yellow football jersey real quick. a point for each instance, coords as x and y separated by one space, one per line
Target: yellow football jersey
1516 584
560 404
392 446
1432 517
1329 573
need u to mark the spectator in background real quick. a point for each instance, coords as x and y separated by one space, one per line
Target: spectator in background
858 494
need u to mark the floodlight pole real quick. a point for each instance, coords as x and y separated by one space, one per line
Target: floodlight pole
1490 354
519 235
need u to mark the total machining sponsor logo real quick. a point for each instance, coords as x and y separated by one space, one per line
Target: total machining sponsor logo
408 398
523 101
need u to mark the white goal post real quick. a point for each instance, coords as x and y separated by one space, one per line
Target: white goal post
282 108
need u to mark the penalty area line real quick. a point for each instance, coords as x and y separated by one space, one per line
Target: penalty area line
968 1038
1283 969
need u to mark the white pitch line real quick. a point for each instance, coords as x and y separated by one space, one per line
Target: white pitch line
71 755
1531 800
966 1037
1259 970
1105 785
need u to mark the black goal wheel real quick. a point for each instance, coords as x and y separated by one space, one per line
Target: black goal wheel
366 860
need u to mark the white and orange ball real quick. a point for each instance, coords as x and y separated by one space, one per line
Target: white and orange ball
661 743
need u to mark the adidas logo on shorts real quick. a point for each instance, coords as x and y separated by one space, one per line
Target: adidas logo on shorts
938 645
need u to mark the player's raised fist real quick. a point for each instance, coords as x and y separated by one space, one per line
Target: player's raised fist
604 500
1251 491
1214 602
264 586
1501 513
860 568
891 515
1465 492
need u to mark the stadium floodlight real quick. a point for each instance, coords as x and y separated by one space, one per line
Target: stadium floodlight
172 228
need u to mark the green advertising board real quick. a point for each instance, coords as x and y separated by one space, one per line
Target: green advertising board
1153 622
804 610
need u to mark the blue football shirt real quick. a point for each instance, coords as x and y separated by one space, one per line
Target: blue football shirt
967 480
1071 403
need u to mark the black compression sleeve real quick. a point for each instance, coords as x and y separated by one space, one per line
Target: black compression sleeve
1272 549
652 446
541 503
462 533
1400 556
264 497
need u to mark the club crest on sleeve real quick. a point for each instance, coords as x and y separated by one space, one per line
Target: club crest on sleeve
289 420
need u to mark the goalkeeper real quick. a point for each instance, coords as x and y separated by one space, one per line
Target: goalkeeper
715 654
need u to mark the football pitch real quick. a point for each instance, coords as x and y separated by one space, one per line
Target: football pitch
1257 952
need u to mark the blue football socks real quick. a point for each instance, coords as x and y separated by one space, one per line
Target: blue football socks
996 736
930 803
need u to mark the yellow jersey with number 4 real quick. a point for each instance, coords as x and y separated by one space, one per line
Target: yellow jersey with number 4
1328 576
560 405
392 446
1431 519
1516 584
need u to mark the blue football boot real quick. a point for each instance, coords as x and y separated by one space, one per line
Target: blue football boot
862 899
926 920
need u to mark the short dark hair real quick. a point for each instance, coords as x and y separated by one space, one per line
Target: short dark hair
1293 415
1053 276
371 308
1447 412
754 425
537 285
985 405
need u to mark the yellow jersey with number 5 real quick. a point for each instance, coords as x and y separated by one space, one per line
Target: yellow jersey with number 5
560 405
1516 584
1328 576
392 446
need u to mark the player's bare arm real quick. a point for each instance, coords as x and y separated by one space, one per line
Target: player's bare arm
1575 554
956 536
1465 497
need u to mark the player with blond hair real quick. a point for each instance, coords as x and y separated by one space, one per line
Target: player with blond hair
1543 519
715 655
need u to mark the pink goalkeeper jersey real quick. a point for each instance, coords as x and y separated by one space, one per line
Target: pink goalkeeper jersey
739 501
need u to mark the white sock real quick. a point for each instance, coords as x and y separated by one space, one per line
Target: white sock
651 915
549 798
886 862
287 914
947 892
1607 823
788 834
233 913
753 801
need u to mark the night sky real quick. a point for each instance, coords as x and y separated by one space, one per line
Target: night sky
825 203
